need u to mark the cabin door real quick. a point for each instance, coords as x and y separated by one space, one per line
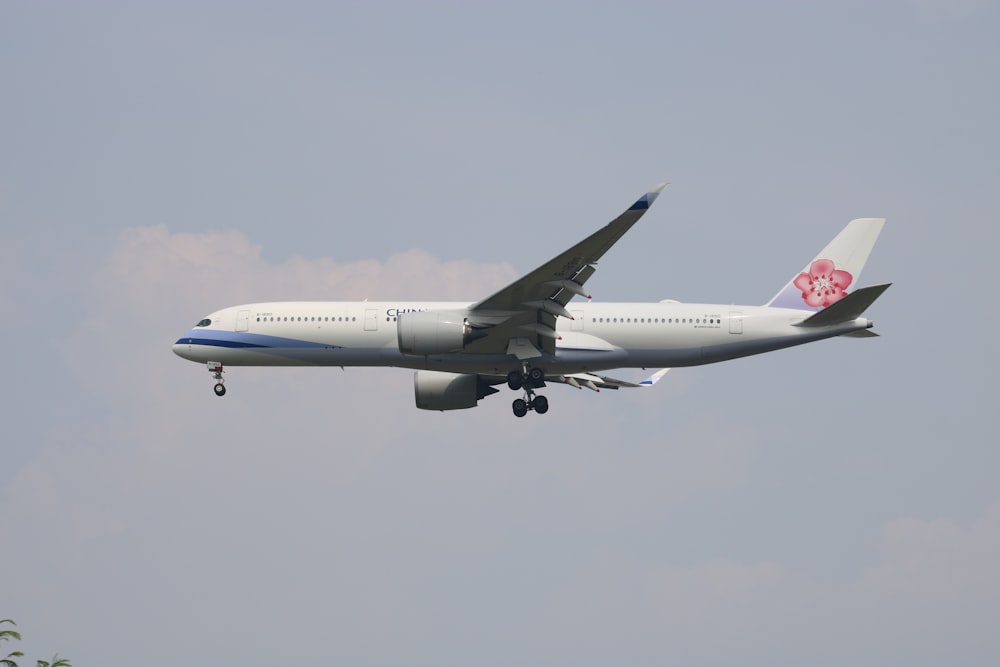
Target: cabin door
735 322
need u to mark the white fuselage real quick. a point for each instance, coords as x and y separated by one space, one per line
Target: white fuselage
601 336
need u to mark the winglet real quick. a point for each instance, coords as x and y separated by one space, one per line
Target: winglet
654 378
647 199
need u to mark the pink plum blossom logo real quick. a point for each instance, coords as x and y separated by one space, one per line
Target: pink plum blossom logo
824 284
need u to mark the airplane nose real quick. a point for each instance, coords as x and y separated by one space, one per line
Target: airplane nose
182 348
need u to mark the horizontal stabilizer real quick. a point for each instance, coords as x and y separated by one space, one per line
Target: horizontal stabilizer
847 309
862 333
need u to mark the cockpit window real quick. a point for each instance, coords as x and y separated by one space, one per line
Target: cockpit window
204 323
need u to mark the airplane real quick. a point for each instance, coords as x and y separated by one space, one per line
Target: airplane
531 333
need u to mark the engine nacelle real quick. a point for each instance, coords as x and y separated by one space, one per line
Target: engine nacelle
432 332
435 390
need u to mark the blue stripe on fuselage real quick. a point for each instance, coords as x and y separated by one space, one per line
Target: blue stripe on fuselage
216 342
237 339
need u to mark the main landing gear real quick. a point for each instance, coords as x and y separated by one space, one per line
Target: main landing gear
215 368
529 380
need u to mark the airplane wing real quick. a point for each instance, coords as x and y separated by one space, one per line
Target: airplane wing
591 381
520 319
598 382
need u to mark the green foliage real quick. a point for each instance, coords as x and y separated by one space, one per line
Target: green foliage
56 662
7 635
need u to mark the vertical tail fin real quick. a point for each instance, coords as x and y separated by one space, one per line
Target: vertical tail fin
834 271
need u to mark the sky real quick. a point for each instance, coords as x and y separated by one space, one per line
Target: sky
831 504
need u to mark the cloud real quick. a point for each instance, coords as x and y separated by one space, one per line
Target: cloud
933 585
937 561
152 267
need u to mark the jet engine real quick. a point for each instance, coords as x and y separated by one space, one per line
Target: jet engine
435 390
432 332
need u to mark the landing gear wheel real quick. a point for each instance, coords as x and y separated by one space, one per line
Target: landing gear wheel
540 404
515 380
215 368
537 376
520 407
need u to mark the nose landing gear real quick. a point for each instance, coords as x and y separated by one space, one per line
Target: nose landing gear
529 380
215 368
